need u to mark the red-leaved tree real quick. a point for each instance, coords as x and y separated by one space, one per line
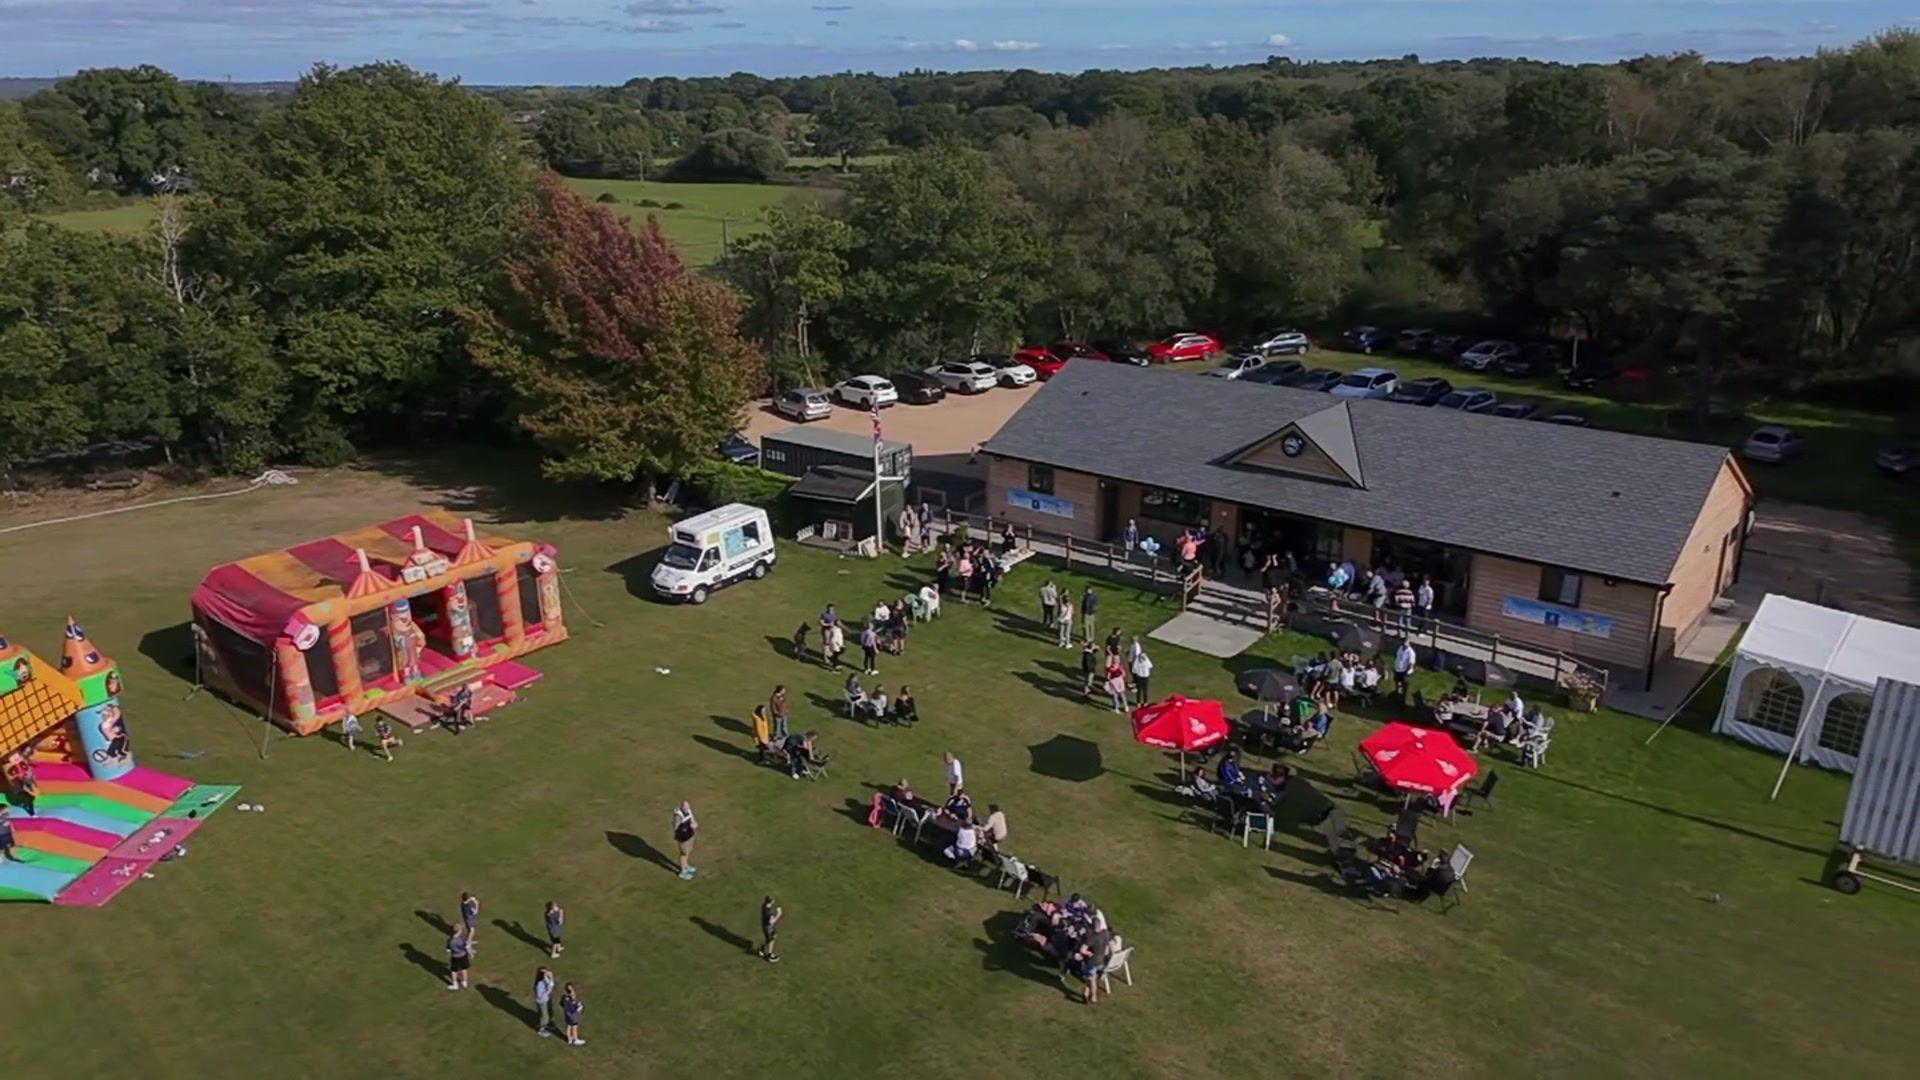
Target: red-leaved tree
623 363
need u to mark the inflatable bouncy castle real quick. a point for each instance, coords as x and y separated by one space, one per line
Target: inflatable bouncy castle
86 820
392 617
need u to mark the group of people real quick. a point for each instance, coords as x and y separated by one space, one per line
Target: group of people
1331 676
1235 791
864 704
383 732
1387 589
546 1007
1127 678
967 567
1074 934
1399 869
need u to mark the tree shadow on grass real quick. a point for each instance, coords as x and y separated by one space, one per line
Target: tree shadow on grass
636 848
520 933
494 483
1000 951
171 647
505 1001
424 962
434 920
716 930
730 749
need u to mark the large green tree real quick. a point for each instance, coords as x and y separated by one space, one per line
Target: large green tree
364 216
621 363
789 273
126 125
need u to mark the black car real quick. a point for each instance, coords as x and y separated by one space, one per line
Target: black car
1421 391
1588 374
1447 348
1517 410
1319 378
1532 360
1122 353
917 387
1275 373
737 449
1568 418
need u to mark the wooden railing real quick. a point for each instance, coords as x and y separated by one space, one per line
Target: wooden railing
1070 549
1190 583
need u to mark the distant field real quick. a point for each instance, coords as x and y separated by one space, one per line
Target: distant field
818 161
707 212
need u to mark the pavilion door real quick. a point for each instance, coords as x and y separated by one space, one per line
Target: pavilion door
1109 496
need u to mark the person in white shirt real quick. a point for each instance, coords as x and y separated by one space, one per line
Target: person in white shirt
877 704
956 775
1142 669
1348 676
1368 678
1516 708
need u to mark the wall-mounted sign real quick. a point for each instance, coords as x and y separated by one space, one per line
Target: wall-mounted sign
1556 617
1040 504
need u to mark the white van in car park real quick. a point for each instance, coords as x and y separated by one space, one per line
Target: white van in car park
713 549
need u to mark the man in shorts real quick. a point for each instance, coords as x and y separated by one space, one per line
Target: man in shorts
383 731
459 959
770 916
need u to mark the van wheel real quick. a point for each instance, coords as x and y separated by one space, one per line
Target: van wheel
760 570
1846 884
699 594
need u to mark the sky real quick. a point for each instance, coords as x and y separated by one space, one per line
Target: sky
610 41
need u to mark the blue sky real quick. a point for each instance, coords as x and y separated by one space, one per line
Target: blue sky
599 41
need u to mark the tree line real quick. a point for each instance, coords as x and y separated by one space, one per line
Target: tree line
378 255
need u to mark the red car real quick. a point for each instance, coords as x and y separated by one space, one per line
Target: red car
1043 361
1187 346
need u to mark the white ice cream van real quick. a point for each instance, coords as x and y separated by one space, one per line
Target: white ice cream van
713 549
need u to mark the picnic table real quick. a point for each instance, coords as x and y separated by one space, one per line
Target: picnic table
1464 716
1262 724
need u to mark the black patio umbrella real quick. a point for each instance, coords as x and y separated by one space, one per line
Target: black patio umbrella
1353 638
1267 684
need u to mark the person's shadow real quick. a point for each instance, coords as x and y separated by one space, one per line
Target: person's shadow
724 934
424 962
512 1006
433 920
520 933
724 747
634 847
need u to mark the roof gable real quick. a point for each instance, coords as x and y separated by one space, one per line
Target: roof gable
1317 446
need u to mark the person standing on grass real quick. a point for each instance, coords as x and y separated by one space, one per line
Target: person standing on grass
956 775
1142 671
1404 659
1089 667
1049 603
383 731
470 914
349 729
833 642
556 919
1064 621
1116 683
770 916
570 1010
459 958
1089 609
685 828
800 642
869 649
543 1001
1113 643
778 709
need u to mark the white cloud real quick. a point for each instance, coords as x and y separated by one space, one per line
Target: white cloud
1278 41
673 7
1216 43
1015 46
964 45
657 26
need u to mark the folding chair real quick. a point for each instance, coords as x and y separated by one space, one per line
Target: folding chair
1483 793
1012 870
1120 962
1457 864
814 768
1048 884
1255 819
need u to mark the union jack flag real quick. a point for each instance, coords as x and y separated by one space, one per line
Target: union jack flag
873 410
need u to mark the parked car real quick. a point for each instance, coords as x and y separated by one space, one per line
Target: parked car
1773 443
918 388
1121 353
1240 365
1366 339
1531 360
1900 460
867 391
1184 346
1488 355
737 449
1067 349
966 376
1421 391
1275 373
1008 371
1368 382
1284 342
1469 400
1413 342
1446 348
1041 359
1589 373
1320 378
1517 410
1568 418
804 404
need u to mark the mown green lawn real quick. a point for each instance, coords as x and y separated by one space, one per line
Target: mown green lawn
124 217
1631 910
706 215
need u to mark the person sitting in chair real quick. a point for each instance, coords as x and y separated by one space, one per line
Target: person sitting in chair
1230 774
855 694
876 703
800 754
904 709
762 733
960 808
965 847
993 832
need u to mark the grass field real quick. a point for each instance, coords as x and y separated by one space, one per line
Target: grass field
127 216
1631 910
708 212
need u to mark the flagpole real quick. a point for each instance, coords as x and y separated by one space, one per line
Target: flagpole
879 488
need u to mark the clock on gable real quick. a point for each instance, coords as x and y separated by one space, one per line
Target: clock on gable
1293 445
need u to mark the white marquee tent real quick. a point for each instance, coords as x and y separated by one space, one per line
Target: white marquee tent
1803 678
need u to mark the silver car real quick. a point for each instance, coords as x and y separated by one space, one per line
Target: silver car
806 403
1773 443
1470 400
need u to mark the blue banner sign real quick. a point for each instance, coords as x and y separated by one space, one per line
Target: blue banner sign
1040 504
1557 617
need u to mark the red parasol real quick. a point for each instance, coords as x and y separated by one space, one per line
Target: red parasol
1180 723
1418 759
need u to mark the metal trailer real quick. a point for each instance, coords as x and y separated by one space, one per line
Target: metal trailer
794 450
1882 819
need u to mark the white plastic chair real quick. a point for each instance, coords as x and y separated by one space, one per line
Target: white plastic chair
909 816
1119 962
1247 825
1015 871
1458 863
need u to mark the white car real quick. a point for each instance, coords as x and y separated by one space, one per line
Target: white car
1775 444
867 391
1009 371
1485 355
966 376
1283 343
1368 382
1240 365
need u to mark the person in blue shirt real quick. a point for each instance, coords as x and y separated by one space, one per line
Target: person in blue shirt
556 918
543 1001
470 913
459 958
1230 774
570 1010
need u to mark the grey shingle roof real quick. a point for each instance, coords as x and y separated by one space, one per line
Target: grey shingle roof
1598 501
839 442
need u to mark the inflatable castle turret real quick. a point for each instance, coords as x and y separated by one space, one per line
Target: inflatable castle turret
102 726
